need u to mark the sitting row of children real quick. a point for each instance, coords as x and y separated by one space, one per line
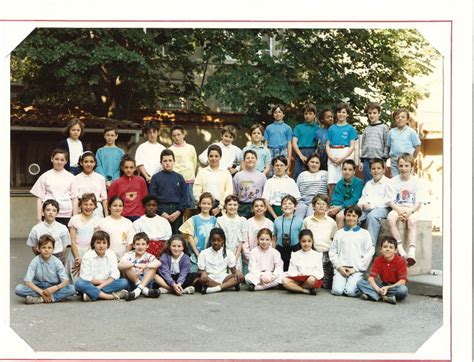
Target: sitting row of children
102 277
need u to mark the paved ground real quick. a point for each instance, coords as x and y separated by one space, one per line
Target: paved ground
271 321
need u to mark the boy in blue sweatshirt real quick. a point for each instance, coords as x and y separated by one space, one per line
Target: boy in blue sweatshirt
171 190
347 192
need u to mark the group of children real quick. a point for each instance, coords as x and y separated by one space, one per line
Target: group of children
116 234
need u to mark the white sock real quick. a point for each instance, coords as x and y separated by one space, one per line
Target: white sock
306 291
213 289
188 290
401 251
412 250
137 291
164 290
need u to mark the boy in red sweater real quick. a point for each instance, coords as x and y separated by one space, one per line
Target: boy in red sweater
392 271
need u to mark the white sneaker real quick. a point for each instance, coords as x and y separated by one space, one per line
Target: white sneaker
188 290
163 290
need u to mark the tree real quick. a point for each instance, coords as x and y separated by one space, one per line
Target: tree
116 71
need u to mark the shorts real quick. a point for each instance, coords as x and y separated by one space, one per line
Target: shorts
302 278
218 278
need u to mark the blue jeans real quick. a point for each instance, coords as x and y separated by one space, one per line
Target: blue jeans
304 208
373 219
84 286
169 208
400 291
367 175
299 165
394 167
190 196
68 291
280 151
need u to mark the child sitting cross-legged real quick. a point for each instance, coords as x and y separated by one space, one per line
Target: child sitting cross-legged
351 253
265 265
100 277
139 267
45 280
174 273
305 273
392 270
213 263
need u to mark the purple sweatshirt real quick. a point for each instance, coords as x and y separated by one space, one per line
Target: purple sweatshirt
165 269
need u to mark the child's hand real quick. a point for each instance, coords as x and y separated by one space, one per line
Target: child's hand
361 166
48 295
178 289
77 261
75 270
204 278
174 216
265 279
383 291
215 211
165 215
238 276
303 158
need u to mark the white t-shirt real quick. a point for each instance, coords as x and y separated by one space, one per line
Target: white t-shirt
148 154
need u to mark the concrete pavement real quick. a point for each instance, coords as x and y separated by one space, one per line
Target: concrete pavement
271 321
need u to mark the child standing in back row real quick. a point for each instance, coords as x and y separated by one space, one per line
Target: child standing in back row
264 157
109 156
278 135
73 145
304 139
326 119
148 153
340 145
374 140
402 139
185 160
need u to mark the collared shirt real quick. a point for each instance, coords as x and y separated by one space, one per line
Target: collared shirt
277 187
95 267
323 230
306 134
400 141
352 248
278 134
377 194
58 231
389 271
214 262
42 271
264 156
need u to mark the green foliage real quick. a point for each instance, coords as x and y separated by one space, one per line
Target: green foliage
115 71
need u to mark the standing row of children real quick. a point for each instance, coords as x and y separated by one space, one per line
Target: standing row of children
172 209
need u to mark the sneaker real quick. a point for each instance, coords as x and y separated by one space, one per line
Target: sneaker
411 260
154 293
130 296
313 291
251 287
390 299
86 298
188 290
204 289
121 294
237 287
364 296
34 300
